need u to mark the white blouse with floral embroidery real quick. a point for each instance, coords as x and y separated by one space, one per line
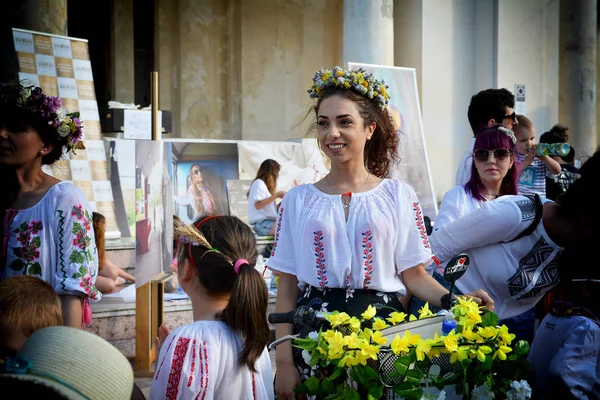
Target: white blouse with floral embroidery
384 235
54 240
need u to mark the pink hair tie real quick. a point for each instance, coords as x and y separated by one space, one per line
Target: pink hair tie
238 264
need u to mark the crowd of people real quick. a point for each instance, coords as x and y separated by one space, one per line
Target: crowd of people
354 239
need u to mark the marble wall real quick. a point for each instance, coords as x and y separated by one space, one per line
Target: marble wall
528 37
239 69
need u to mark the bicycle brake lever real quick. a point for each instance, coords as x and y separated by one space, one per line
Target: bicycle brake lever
274 344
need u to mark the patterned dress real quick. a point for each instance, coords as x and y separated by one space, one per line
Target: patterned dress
200 361
53 240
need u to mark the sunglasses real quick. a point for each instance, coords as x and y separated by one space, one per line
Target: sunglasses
512 116
482 155
196 172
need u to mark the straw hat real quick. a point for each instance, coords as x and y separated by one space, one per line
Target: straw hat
68 362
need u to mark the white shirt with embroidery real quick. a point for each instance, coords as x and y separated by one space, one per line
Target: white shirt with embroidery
384 235
516 274
54 240
200 361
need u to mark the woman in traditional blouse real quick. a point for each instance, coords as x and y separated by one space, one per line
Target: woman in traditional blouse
46 224
354 238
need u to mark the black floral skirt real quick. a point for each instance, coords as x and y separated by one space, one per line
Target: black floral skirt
351 301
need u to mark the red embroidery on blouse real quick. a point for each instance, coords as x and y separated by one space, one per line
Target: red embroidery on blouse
206 369
421 224
163 360
320 254
191 378
179 353
277 231
367 246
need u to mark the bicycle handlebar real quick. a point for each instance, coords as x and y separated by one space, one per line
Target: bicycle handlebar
303 315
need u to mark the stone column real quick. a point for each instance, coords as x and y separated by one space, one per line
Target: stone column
123 52
578 30
43 16
368 32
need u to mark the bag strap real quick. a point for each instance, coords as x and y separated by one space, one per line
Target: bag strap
539 208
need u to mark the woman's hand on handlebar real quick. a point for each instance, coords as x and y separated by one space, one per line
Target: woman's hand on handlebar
287 379
481 297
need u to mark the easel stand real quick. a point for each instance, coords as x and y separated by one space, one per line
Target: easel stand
149 316
149 301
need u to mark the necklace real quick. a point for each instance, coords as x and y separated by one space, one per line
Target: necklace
346 197
490 196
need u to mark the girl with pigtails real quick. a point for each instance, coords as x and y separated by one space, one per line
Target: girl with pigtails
222 354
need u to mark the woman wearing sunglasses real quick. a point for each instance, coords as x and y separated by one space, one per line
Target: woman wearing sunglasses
493 174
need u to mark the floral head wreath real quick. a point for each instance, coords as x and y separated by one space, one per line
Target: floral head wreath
358 80
66 126
509 133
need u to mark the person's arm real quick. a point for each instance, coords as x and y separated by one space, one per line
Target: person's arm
72 310
76 266
451 207
572 371
426 288
287 377
552 165
265 202
496 221
525 163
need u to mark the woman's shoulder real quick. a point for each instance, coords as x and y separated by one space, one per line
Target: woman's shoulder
397 187
200 328
210 332
458 191
67 192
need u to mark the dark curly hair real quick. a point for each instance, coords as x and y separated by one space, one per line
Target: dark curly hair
381 151
16 118
489 104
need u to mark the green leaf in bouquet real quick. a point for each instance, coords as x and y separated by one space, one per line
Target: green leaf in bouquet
359 376
376 392
351 394
305 344
424 364
489 319
371 373
409 394
521 348
327 385
414 376
487 364
312 385
301 389
336 373
446 380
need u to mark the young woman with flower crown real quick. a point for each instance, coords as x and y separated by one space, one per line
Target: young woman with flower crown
222 354
354 238
45 224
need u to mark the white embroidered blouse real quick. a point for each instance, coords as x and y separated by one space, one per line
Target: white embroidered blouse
54 240
384 235
200 361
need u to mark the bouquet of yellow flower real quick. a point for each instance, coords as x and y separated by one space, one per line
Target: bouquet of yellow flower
354 359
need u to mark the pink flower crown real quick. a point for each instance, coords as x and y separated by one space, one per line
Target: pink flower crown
67 126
